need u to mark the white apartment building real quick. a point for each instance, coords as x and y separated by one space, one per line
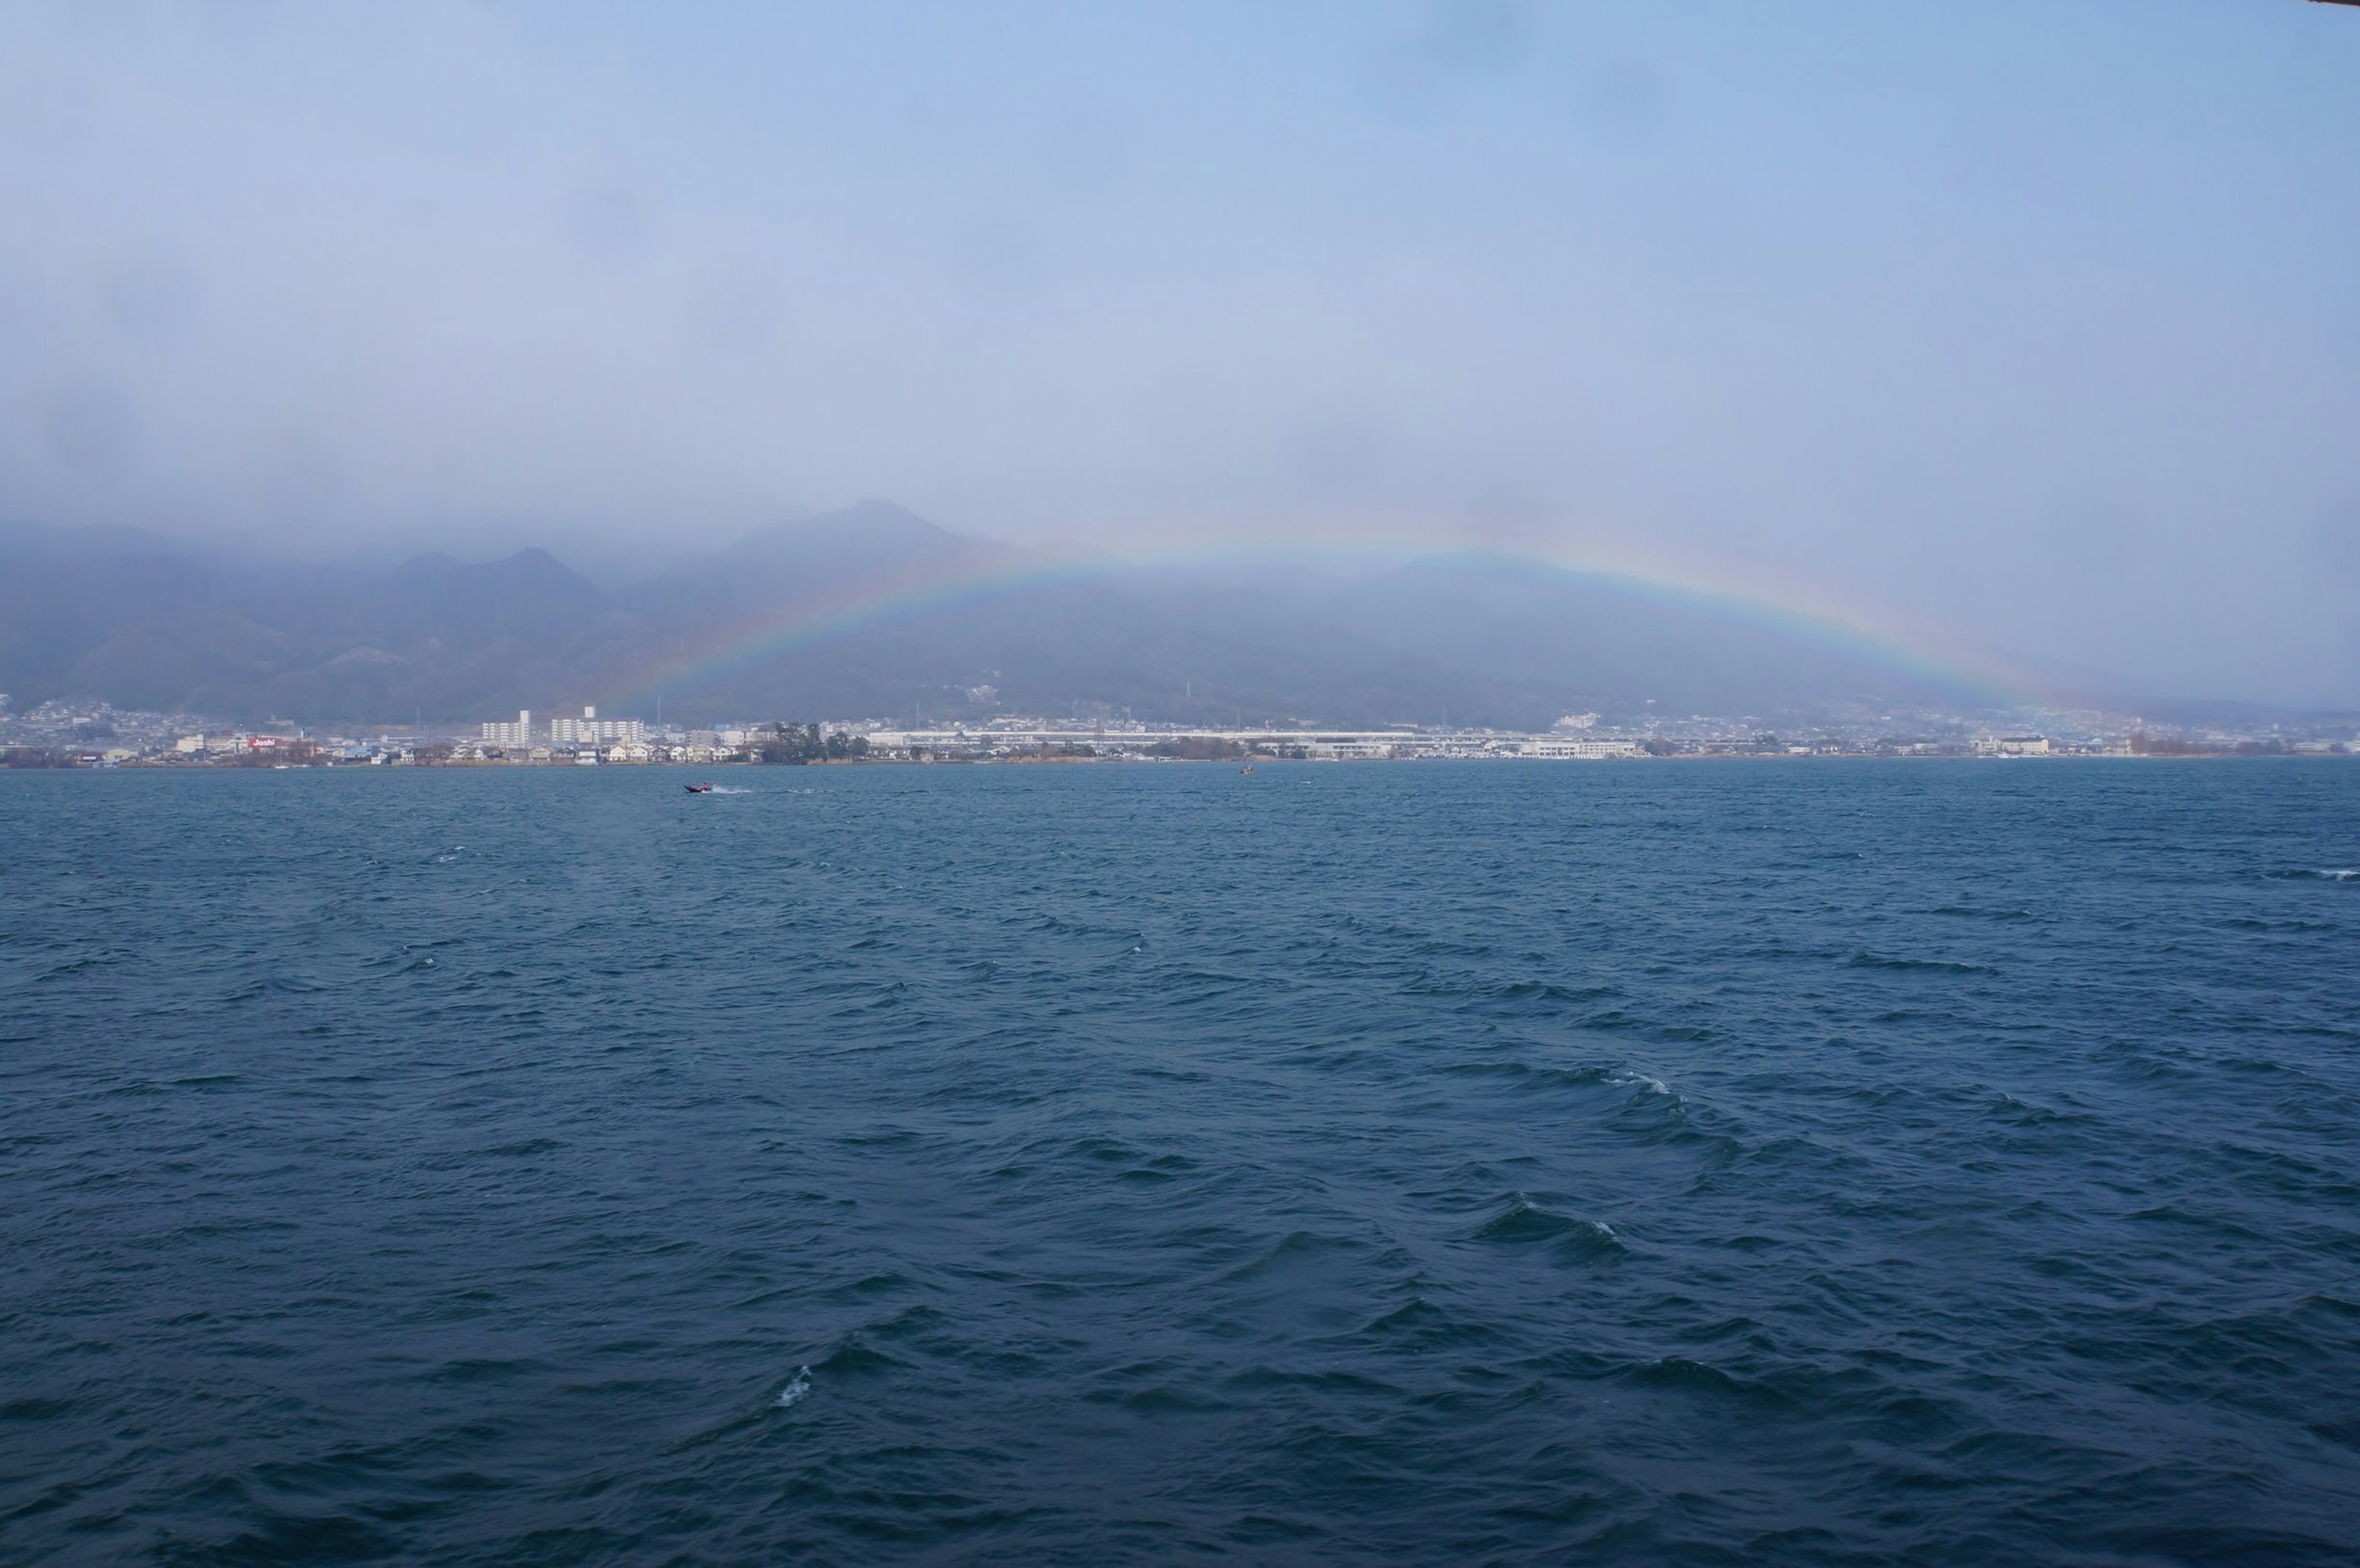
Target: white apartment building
516 733
592 730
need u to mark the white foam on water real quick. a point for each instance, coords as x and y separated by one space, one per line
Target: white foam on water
796 1392
1628 1079
720 791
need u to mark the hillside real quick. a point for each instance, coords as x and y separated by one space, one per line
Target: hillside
874 611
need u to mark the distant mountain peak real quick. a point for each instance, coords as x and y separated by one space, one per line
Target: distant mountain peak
872 609
880 526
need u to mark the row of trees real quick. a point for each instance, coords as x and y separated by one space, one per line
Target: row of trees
1199 748
2145 744
803 743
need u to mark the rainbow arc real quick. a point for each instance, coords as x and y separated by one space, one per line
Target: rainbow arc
990 572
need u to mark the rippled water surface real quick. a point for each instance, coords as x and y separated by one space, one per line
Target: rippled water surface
1779 1163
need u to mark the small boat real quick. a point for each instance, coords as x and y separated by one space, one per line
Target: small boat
1247 768
698 789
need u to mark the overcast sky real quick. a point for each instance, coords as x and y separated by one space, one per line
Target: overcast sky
2031 321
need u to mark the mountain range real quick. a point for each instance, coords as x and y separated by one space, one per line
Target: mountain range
872 611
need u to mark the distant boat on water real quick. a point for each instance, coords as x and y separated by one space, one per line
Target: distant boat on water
698 789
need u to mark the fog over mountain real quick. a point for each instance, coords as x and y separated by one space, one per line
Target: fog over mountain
874 611
2012 328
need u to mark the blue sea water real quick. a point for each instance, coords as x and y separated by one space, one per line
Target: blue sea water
1821 1163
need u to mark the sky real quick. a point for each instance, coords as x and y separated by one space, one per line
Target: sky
2025 325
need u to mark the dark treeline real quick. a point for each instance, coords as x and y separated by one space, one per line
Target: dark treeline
1198 748
804 743
2145 744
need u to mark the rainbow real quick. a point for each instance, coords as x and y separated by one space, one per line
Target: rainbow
882 600
1800 609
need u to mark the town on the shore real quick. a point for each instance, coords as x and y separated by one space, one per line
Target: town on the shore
64 734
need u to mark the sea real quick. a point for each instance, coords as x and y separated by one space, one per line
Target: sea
1808 1161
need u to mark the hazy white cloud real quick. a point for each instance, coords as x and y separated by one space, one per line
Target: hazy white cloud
2018 322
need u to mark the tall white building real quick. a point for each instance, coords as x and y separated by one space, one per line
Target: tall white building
516 733
590 730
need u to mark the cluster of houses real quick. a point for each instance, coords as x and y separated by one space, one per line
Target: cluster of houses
71 734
